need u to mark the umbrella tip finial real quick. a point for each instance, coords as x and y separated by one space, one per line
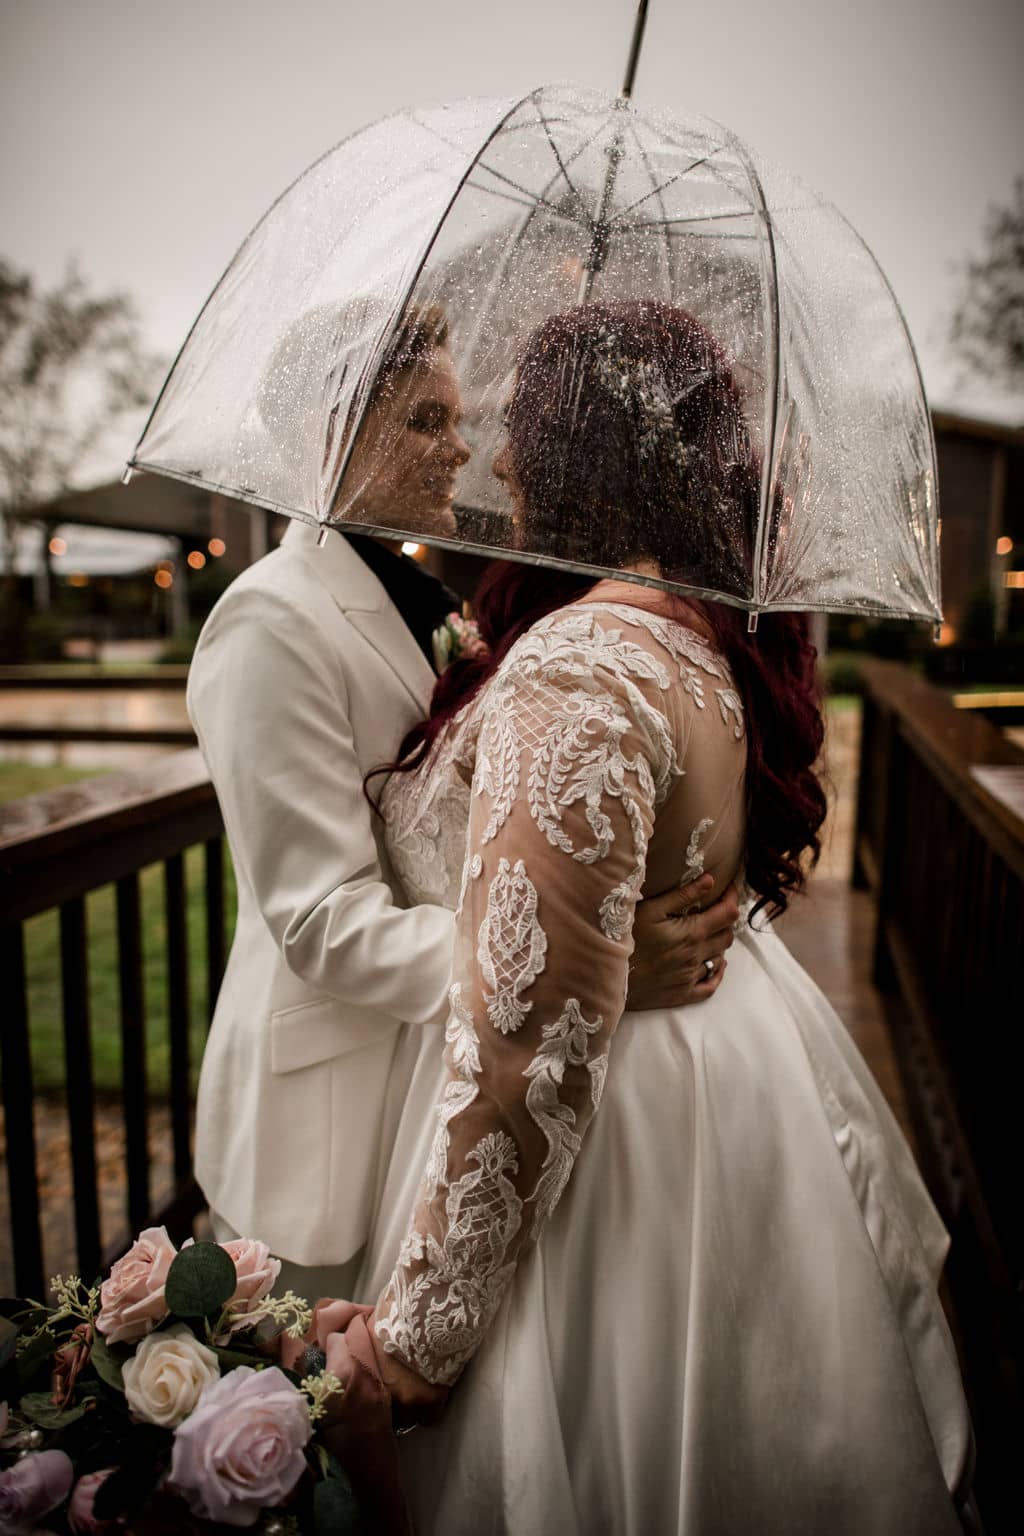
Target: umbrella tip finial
321 538
634 50
126 478
751 623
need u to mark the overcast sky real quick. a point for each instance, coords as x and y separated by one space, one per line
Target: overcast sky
145 139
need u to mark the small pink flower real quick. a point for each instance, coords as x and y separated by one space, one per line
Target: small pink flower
241 1450
33 1486
132 1298
80 1511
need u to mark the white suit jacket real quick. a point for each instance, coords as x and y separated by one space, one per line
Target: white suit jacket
305 678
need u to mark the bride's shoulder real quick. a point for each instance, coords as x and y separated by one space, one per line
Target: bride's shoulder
633 638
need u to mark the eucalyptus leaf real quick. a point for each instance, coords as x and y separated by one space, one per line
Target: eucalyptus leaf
41 1409
105 1363
335 1509
200 1280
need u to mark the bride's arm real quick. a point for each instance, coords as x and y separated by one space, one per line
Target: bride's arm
573 755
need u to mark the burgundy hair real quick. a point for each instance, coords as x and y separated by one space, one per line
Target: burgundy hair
576 473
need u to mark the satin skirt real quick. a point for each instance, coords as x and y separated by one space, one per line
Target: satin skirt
730 1324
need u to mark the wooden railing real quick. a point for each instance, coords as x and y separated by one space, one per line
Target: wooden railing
55 849
940 842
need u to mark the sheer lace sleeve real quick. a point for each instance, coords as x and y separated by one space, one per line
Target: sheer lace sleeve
576 749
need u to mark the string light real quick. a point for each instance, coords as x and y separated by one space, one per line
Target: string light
1004 546
57 546
216 548
1014 579
408 548
163 579
196 559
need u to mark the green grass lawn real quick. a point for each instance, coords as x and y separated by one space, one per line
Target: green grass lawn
18 779
42 954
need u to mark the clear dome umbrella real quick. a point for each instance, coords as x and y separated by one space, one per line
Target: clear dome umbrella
661 355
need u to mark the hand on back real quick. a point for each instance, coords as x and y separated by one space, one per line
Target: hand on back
674 940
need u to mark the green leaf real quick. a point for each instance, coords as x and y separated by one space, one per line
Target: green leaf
335 1509
8 1339
105 1363
40 1408
229 1358
200 1280
38 1354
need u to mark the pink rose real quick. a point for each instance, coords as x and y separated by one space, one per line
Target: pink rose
240 1451
257 1272
80 1511
132 1299
33 1486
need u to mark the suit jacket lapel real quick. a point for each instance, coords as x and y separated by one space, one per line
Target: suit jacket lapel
364 602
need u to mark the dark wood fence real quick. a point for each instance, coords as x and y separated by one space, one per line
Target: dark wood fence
55 848
940 842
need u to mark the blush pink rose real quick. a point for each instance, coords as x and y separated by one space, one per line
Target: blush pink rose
81 1518
33 1486
256 1273
132 1298
241 1450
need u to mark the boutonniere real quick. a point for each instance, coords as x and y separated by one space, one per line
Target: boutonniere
456 637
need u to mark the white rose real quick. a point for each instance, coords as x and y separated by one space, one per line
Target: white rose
168 1371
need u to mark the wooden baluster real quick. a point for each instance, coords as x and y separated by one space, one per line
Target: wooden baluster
133 1051
178 1012
22 1174
215 936
78 1071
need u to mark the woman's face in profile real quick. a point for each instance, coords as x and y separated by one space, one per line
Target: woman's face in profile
405 464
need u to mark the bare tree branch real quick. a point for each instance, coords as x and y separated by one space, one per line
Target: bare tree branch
987 326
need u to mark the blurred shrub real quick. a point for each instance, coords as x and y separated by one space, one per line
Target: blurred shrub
979 626
841 672
178 650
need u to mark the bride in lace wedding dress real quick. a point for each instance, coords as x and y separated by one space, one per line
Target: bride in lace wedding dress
678 1267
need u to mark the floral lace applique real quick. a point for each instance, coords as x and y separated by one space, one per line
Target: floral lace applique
694 851
466 1275
573 754
511 945
564 1043
690 652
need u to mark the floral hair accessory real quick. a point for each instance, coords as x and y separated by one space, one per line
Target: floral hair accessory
456 637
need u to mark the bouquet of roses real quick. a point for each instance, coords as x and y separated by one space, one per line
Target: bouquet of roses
155 1401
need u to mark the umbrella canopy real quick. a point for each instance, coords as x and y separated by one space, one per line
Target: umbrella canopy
687 365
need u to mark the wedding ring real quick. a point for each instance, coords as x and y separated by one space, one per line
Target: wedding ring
709 966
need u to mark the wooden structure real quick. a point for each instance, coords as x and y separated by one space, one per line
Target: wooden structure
981 498
54 849
940 843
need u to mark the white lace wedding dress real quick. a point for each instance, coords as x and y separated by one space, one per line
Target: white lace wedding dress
715 1312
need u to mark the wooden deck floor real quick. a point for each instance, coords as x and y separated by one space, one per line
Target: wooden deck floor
831 927
830 930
